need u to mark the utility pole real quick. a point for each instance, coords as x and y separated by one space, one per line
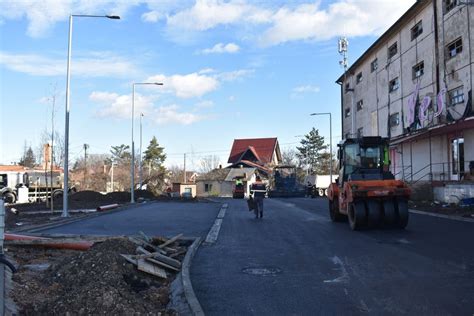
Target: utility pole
112 176
184 171
52 149
86 146
140 160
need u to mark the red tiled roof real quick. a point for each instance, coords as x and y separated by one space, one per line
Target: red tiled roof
263 149
12 168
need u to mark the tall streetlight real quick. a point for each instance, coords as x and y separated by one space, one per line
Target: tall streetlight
140 160
132 165
330 142
66 129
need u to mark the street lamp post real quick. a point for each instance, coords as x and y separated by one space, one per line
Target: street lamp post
132 165
330 142
65 212
140 160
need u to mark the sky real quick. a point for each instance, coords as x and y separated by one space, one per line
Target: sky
230 69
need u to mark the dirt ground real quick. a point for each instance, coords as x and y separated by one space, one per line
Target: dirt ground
94 282
442 208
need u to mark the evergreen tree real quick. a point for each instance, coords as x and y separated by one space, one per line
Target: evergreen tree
311 152
121 154
154 156
28 159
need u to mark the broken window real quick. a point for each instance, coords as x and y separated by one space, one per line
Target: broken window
456 96
360 132
449 5
454 48
359 77
416 30
393 85
347 112
360 105
418 70
347 87
374 65
392 50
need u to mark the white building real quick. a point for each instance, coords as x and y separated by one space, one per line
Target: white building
414 85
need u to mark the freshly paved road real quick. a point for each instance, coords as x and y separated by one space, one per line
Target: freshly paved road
156 218
295 261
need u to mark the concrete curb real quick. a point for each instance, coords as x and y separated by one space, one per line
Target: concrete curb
451 217
186 279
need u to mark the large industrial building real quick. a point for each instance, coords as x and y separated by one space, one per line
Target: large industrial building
414 85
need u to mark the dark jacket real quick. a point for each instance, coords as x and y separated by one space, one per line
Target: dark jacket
259 189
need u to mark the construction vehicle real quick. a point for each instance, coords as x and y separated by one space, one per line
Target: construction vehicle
284 182
238 189
29 186
366 192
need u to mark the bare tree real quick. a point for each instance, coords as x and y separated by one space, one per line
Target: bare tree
289 157
209 163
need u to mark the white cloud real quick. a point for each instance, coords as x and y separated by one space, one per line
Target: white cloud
43 15
152 16
114 105
170 114
120 106
99 64
231 98
187 86
235 75
306 89
207 14
346 17
222 48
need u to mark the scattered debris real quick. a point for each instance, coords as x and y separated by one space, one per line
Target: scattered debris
99 280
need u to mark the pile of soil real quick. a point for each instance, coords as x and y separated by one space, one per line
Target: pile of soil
442 208
97 281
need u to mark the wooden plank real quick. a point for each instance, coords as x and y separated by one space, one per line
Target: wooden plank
162 264
178 253
147 239
155 255
144 243
170 241
151 268
130 259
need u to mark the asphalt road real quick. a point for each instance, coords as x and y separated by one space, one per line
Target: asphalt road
156 218
295 261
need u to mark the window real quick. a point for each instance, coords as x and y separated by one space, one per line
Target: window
360 105
359 77
454 48
456 96
393 85
347 112
449 5
392 50
374 65
207 187
418 70
416 30
347 87
360 132
394 119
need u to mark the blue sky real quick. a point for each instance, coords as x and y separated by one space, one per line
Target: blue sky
230 69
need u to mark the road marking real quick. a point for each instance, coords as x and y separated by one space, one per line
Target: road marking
214 232
454 218
344 277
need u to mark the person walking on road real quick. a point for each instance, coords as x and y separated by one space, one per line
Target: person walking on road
259 190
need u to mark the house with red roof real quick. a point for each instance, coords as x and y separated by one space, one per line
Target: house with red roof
259 153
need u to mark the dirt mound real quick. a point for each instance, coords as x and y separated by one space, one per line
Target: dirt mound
144 194
118 197
98 281
87 196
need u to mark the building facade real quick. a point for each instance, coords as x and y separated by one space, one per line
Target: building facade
414 85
